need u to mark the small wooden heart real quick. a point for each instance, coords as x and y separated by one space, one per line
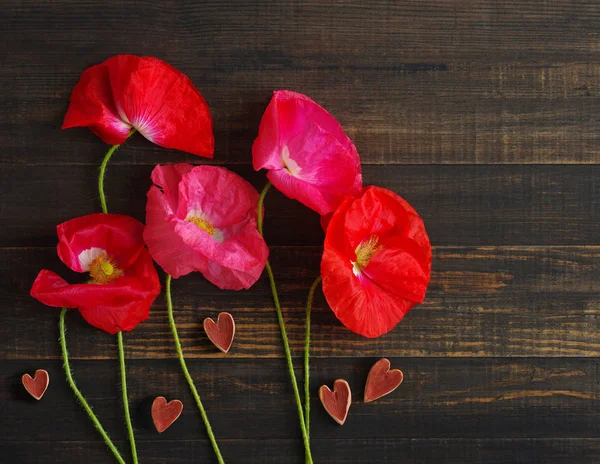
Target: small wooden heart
164 414
381 380
336 402
221 333
37 385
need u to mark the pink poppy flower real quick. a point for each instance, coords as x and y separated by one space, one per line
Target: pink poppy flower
144 93
203 219
307 154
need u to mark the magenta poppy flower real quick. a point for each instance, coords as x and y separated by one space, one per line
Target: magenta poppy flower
203 219
307 154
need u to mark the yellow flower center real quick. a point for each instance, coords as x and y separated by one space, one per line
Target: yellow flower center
104 270
203 224
364 252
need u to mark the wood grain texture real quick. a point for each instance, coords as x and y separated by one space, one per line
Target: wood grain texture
276 451
252 399
483 115
460 205
411 82
522 301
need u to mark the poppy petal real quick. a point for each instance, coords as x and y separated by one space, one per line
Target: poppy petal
222 196
364 309
166 246
119 236
309 195
113 307
308 156
161 103
206 224
92 105
399 272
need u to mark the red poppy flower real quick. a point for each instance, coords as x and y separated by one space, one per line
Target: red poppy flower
144 93
307 154
376 263
203 219
123 281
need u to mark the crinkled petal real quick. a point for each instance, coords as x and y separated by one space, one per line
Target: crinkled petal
243 251
365 309
117 306
232 279
318 158
401 271
309 195
161 103
234 255
92 105
167 178
166 246
222 196
118 235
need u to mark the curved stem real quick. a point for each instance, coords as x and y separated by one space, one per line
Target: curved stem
77 392
286 345
125 399
186 372
105 161
309 301
261 202
103 166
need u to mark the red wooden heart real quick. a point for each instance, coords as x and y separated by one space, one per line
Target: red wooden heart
37 385
164 414
221 333
336 402
381 380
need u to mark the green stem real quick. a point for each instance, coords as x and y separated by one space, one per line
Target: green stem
125 400
309 301
77 392
103 166
105 161
286 345
186 372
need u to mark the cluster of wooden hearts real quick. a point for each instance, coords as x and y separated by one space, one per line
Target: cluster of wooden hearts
220 333
381 381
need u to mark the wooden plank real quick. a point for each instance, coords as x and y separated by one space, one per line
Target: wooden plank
264 33
284 451
521 301
252 399
387 126
424 83
461 205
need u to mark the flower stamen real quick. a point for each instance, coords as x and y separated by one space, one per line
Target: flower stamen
104 270
364 252
204 224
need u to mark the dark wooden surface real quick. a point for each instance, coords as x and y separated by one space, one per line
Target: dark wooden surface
484 115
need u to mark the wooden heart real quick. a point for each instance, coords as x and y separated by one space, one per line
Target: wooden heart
221 333
336 402
381 380
164 414
37 385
